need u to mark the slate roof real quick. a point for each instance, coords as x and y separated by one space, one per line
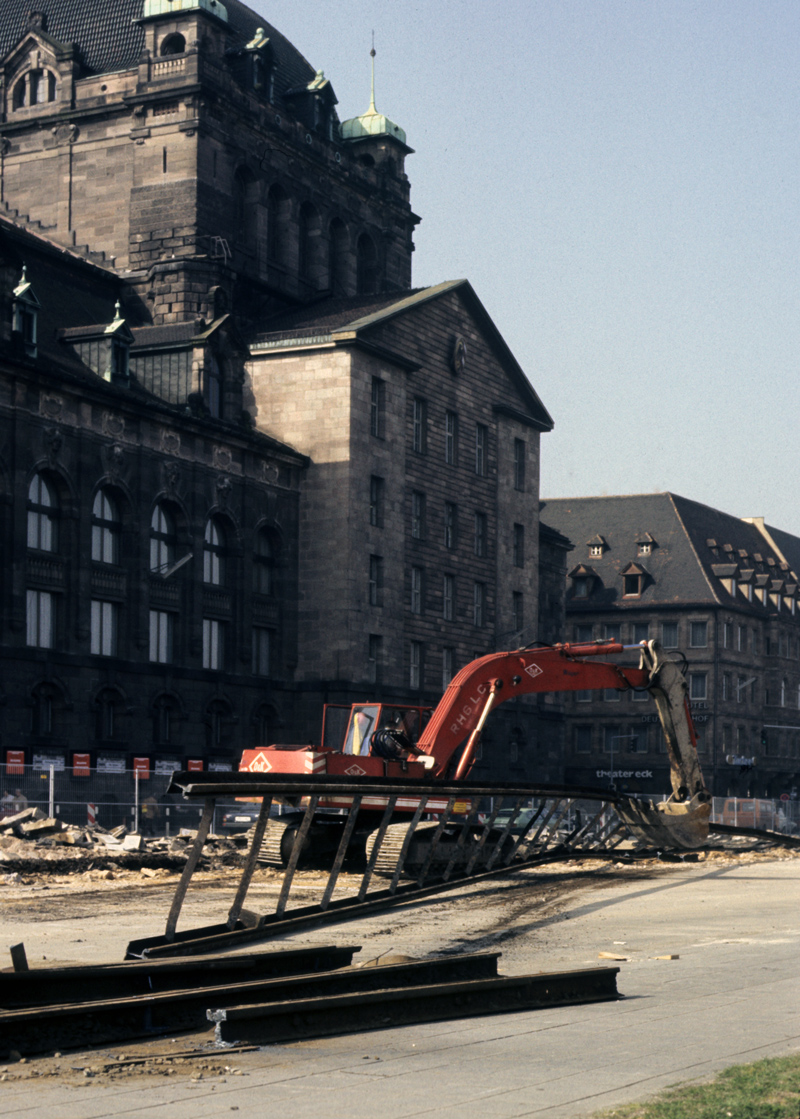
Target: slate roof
109 40
695 547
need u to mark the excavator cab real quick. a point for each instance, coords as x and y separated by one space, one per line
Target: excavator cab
349 730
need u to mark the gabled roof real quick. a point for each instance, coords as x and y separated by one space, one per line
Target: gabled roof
697 548
347 320
108 39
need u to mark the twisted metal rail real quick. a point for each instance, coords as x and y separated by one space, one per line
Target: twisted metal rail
405 857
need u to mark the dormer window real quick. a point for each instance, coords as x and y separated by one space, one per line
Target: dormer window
595 549
644 549
583 579
37 87
26 314
633 580
597 546
104 348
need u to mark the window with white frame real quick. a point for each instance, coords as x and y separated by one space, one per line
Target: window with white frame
420 425
478 604
106 527
213 644
451 438
40 619
481 449
480 540
162 633
42 514
104 628
698 685
698 635
418 504
449 597
262 648
417 581
214 553
415 665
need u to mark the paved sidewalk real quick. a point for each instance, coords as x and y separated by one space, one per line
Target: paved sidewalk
732 996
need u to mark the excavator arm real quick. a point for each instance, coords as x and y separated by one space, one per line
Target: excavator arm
485 683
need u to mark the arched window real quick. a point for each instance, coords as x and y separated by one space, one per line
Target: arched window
264 562
42 514
214 553
46 704
277 221
309 245
166 718
337 257
265 725
37 87
219 724
173 44
109 707
367 265
162 539
106 525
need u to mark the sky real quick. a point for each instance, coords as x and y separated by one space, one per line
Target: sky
619 181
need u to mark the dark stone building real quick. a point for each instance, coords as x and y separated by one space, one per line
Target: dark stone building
718 590
247 468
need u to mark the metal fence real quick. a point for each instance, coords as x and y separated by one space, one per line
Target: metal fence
749 812
127 798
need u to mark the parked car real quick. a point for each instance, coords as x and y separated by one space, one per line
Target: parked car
241 817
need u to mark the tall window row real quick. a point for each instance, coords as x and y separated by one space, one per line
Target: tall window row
106 616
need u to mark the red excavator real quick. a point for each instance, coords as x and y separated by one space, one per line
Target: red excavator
382 740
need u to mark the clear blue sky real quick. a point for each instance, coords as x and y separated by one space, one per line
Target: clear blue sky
619 181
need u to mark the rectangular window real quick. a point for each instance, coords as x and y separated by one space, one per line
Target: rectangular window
741 690
415 665
376 492
583 696
162 627
450 524
420 426
726 686
448 666
584 633
640 696
741 639
481 536
637 740
612 740
698 635
104 628
40 619
376 580
519 464
612 695
451 438
727 635
631 586
697 685
669 635
641 632
517 611
479 605
583 740
613 631
481 449
213 644
418 515
378 409
449 598
262 641
417 581
519 545
374 653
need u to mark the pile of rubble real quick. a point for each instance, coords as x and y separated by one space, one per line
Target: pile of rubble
31 838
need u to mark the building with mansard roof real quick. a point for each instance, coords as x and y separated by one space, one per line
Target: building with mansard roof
278 475
720 590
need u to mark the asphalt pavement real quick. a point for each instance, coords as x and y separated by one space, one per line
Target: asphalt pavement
732 995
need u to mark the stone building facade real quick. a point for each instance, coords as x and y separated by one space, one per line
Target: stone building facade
326 475
718 590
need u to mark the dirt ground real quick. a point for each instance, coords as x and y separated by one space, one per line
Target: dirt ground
90 917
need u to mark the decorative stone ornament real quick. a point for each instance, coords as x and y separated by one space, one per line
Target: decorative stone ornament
459 356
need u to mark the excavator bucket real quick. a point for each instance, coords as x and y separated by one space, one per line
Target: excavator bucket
668 824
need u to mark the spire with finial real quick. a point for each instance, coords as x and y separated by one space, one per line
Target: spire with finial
372 123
